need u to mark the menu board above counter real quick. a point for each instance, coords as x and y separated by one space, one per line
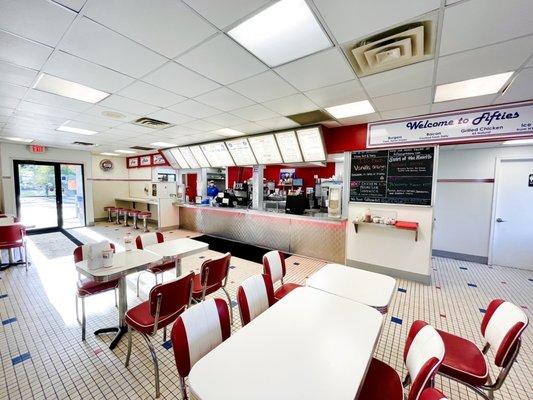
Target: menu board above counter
189 157
179 157
217 154
288 146
311 144
241 152
199 156
401 176
265 149
170 158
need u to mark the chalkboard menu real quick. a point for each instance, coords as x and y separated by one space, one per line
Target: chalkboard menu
398 176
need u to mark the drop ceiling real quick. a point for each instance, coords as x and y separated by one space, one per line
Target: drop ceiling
173 61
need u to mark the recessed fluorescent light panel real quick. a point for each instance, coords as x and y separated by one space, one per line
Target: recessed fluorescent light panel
163 144
109 154
283 32
199 156
72 129
229 132
17 139
472 87
351 109
62 87
126 151
519 142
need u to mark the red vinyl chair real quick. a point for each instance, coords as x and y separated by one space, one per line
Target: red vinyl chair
196 332
88 287
423 354
502 327
432 394
212 277
13 236
274 266
166 302
147 239
255 295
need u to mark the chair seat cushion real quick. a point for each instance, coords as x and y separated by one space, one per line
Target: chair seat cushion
381 383
140 319
285 289
432 394
157 268
463 360
197 287
88 287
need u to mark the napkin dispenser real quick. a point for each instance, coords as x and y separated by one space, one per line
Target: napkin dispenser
99 255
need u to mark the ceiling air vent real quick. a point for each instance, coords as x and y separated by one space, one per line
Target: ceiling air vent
84 144
143 148
311 117
152 123
395 48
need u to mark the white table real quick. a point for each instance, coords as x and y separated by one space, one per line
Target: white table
124 263
310 345
177 249
374 290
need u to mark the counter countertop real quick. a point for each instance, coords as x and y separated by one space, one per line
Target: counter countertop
145 200
315 217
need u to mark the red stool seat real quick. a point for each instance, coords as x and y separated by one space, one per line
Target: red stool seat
381 383
156 269
146 214
132 213
463 360
140 318
107 208
88 287
284 290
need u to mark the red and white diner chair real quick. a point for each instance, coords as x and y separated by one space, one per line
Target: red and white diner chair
274 266
147 239
255 295
423 354
196 332
88 287
502 327
212 277
13 236
165 303
432 394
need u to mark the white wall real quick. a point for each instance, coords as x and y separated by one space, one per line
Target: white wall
10 152
463 209
108 184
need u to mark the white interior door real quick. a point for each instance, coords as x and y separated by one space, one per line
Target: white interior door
512 241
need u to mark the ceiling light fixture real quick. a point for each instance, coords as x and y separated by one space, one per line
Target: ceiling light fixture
126 151
17 139
109 154
472 87
518 141
228 132
283 32
351 109
71 129
163 144
73 90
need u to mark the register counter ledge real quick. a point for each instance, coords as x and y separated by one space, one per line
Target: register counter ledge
319 237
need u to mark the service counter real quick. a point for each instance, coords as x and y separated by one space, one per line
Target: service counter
316 236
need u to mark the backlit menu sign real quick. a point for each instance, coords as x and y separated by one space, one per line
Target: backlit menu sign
288 146
199 156
241 152
170 158
265 149
179 158
311 144
188 156
217 154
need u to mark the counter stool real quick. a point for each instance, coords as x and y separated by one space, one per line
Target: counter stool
118 210
124 213
110 210
144 215
134 214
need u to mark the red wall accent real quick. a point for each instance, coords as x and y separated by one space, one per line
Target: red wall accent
345 138
190 189
239 174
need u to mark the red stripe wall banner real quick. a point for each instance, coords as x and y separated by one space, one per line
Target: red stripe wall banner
345 138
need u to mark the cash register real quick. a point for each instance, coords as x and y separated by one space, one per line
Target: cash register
296 204
226 199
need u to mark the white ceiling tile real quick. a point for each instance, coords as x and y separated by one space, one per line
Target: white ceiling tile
398 80
225 120
406 112
85 125
180 131
477 23
277 123
222 60
263 87
411 98
520 89
6 112
46 110
248 127
224 99
23 52
342 93
294 104
136 128
9 102
75 5
360 119
93 42
170 116
77 70
10 90
463 103
490 60
166 26
255 113
530 63
180 80
201 125
100 111
120 133
350 20
42 21
128 105
53 100
16 75
318 70
224 13
150 94
91 119
194 109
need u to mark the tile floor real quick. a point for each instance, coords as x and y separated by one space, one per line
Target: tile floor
43 357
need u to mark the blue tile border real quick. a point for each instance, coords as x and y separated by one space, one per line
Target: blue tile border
402 290
3 296
232 266
167 345
482 310
463 268
472 285
396 320
20 358
9 321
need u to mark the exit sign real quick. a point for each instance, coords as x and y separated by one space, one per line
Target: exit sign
36 148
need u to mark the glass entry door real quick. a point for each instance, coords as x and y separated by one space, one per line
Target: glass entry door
72 196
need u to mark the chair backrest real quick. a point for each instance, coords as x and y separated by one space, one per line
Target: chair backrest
423 354
81 252
255 295
215 270
175 296
432 394
199 330
502 327
274 265
147 239
13 233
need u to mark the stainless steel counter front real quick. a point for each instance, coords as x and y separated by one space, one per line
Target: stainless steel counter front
318 237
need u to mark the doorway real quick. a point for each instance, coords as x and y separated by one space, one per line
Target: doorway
512 215
49 196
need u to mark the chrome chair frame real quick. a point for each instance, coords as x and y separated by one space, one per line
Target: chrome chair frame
223 287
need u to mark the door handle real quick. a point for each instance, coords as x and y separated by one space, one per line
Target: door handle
500 220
